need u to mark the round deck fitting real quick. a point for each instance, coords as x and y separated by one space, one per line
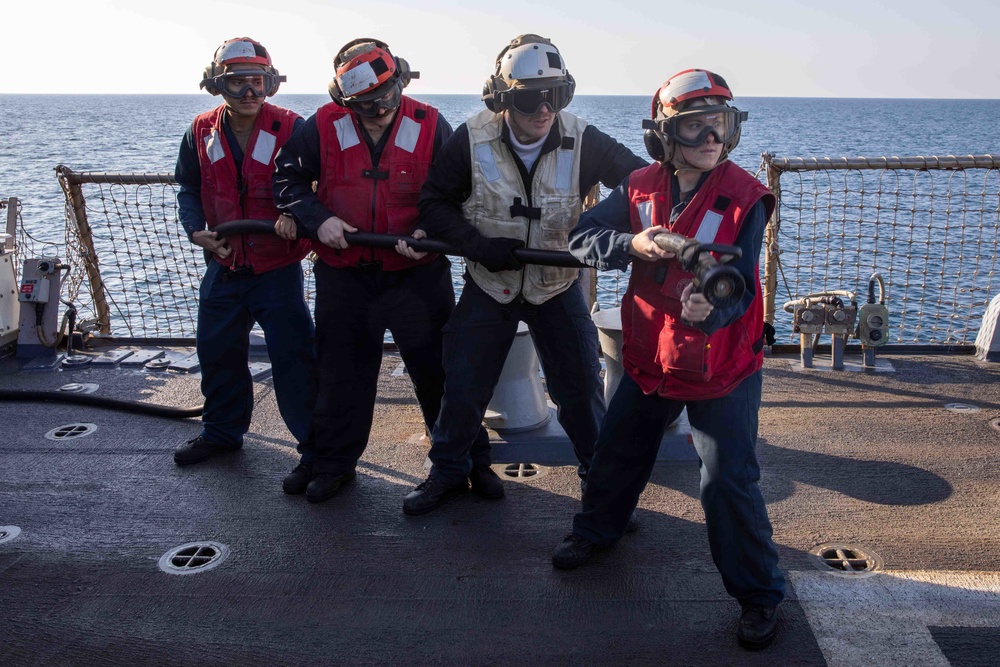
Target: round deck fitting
69 431
193 557
962 408
995 424
845 560
76 361
158 364
78 388
8 533
523 471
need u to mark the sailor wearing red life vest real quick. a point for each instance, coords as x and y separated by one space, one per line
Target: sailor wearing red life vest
368 152
680 350
224 170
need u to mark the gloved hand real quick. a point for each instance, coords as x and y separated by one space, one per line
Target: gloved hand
496 254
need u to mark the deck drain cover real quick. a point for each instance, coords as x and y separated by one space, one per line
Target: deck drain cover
963 408
995 424
158 364
523 470
845 560
7 533
78 388
193 557
69 431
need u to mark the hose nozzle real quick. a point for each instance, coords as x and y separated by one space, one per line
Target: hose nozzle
722 285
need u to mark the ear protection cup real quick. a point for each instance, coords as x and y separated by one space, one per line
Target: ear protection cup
489 95
207 79
654 145
277 83
335 93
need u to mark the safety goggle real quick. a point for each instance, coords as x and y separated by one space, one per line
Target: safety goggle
692 127
372 108
237 84
529 102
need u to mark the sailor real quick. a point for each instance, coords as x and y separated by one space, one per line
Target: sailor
679 349
515 175
368 152
224 172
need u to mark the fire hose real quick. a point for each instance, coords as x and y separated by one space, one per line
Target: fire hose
722 284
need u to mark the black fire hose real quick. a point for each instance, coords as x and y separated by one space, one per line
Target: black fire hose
722 285
369 239
102 402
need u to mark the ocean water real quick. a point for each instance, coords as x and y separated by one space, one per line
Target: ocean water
122 133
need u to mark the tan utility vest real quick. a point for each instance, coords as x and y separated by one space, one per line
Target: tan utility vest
493 206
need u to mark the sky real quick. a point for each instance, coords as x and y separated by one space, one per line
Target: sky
773 48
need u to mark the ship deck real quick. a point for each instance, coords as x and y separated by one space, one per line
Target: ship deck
871 459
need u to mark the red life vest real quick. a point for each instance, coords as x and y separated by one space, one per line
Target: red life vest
660 352
226 195
384 200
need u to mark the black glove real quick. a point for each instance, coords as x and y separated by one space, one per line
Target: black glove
496 254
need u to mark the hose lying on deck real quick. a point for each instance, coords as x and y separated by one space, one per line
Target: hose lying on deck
102 402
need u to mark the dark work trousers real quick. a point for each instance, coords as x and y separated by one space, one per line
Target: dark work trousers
354 307
476 341
228 307
724 431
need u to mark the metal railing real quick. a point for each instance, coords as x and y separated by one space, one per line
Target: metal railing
928 225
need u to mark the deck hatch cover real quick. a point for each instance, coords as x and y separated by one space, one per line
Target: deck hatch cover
845 560
69 431
193 557
522 470
7 533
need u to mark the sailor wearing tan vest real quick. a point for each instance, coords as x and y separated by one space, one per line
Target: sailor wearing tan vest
515 175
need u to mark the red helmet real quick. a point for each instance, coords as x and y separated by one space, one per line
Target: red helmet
241 54
688 85
669 109
368 77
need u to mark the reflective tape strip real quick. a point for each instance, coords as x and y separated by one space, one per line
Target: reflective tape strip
487 163
213 144
709 227
347 134
645 209
409 132
688 83
264 148
357 80
564 170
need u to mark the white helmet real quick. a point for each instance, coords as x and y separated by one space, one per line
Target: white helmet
529 72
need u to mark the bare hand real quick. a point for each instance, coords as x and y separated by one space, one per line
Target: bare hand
694 307
210 241
644 247
285 227
406 251
331 232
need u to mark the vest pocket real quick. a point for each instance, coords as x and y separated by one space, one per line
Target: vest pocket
683 353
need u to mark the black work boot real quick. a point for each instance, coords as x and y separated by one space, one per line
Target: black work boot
573 552
758 626
296 481
431 494
485 482
199 449
325 485
633 524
